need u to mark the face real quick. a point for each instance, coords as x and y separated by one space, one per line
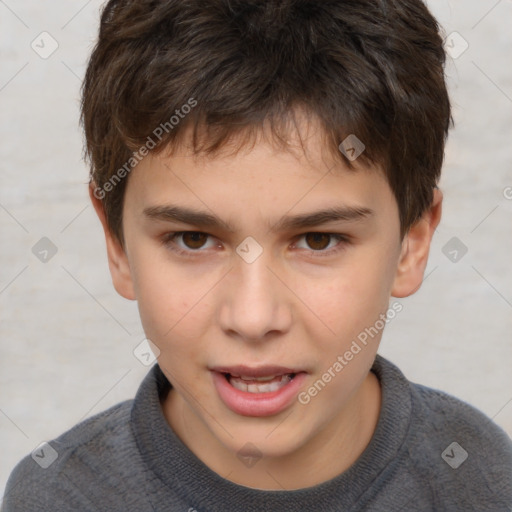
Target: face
254 275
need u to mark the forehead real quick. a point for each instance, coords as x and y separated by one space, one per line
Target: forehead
298 142
258 184
298 132
261 174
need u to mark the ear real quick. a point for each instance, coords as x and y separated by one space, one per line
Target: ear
117 260
415 249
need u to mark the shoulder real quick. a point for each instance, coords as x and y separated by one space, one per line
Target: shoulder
459 450
446 415
58 474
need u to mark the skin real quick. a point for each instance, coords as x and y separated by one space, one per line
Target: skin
292 306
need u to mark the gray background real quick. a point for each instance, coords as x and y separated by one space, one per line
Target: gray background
67 339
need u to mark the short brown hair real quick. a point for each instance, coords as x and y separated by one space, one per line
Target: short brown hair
372 68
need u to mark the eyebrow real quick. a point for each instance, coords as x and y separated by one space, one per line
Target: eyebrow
200 218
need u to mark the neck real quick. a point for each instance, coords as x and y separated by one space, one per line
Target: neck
325 456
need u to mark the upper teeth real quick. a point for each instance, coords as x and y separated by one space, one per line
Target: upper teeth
241 384
258 379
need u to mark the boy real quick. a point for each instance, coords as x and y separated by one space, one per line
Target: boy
265 174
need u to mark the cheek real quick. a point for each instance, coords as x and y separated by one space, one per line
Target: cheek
175 304
165 297
353 300
173 322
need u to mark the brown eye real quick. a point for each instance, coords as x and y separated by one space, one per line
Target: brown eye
318 241
194 239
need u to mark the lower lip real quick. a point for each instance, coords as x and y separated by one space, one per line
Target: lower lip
257 404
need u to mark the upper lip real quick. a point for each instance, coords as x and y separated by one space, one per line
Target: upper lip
260 371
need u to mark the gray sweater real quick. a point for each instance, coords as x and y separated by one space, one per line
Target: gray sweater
430 452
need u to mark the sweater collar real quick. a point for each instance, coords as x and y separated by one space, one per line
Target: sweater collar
180 470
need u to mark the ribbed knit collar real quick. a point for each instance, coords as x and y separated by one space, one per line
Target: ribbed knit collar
180 470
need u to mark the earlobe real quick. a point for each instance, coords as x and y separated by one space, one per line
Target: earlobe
117 259
415 250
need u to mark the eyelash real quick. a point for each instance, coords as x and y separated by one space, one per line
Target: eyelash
191 253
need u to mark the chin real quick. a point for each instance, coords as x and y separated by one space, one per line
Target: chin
265 441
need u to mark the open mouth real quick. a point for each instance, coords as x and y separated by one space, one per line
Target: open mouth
259 384
264 392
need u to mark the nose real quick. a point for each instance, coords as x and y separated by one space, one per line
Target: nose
255 303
